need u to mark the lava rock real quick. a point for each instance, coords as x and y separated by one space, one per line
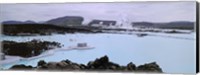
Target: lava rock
28 49
100 64
41 63
103 59
21 67
150 67
131 66
62 64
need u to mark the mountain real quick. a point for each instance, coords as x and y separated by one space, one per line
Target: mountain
19 22
176 25
29 22
168 25
66 21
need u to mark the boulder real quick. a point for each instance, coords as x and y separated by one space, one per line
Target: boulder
82 66
103 59
100 64
52 66
75 67
62 64
67 61
21 67
113 66
130 66
41 63
28 48
149 67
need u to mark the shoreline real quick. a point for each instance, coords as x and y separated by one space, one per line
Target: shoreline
49 29
99 64
26 49
47 53
10 59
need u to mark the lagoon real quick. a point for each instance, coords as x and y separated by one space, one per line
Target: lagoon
172 54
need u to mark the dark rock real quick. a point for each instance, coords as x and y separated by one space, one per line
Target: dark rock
103 59
44 67
174 31
41 63
45 29
21 67
68 61
52 66
82 66
122 68
100 64
62 64
131 66
29 48
150 67
75 67
113 66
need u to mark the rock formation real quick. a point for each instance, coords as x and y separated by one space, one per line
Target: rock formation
100 64
29 48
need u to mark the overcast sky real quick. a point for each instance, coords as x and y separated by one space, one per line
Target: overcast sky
135 11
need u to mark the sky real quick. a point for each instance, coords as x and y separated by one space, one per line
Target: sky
130 12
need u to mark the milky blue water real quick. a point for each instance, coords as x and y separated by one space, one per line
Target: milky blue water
172 54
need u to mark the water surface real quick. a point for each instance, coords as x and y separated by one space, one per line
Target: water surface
172 54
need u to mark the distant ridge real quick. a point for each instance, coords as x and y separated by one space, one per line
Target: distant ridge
170 25
66 21
19 22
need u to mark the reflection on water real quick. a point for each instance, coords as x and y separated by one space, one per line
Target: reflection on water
173 55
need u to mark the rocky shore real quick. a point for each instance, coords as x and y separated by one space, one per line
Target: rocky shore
100 64
44 29
29 48
48 29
